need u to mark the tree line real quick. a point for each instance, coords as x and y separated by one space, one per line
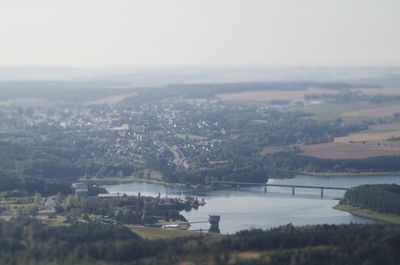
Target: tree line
27 241
294 161
382 198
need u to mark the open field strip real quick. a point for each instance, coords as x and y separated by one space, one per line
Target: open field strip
265 96
374 133
380 112
333 111
111 100
159 233
378 91
339 150
387 218
365 137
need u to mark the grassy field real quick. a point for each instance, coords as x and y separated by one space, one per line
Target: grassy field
367 137
388 218
378 112
339 150
382 91
58 220
14 204
331 111
111 100
157 233
267 96
387 127
380 132
351 112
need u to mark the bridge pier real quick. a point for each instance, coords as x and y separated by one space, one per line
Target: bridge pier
322 192
265 189
292 190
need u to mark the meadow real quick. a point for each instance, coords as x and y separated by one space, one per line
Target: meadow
271 95
380 132
346 151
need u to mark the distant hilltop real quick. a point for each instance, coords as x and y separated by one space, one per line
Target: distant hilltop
385 76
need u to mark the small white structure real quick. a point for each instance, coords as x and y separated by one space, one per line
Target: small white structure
172 226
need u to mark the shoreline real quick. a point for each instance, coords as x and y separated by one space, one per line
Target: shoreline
344 174
207 188
369 214
131 179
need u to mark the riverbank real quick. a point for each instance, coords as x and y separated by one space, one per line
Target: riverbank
387 218
131 179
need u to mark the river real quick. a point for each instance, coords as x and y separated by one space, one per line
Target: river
253 208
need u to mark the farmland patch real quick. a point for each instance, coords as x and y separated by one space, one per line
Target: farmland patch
346 151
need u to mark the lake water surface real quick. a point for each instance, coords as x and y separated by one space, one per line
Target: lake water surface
253 208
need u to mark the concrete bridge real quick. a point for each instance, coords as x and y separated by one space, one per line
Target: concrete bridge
265 185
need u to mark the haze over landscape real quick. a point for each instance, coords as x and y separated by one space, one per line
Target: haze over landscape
225 33
199 132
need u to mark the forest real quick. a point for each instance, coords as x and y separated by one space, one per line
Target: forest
381 198
27 241
294 161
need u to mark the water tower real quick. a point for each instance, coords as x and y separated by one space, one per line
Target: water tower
214 223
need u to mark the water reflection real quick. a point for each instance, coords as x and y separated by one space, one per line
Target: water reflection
251 207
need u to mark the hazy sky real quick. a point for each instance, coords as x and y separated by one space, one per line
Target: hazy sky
150 33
